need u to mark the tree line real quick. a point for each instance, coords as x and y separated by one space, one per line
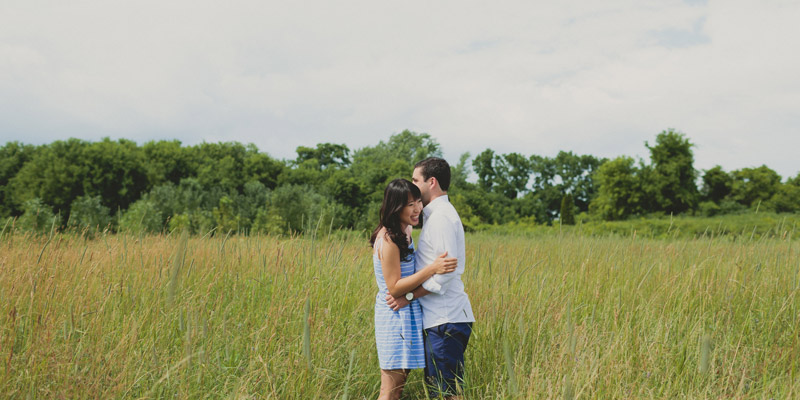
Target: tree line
230 187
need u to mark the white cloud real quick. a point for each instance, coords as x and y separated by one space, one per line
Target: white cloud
514 76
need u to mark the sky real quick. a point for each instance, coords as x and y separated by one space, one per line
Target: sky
530 77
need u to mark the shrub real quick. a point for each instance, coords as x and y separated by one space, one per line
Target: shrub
194 222
225 217
88 213
38 217
304 209
268 222
141 217
709 208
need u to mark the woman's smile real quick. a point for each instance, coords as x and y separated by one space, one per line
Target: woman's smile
415 219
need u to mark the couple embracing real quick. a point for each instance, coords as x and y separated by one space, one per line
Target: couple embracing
423 317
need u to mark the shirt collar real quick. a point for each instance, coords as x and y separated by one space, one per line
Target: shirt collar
433 205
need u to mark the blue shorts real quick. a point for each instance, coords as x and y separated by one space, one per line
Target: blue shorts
444 357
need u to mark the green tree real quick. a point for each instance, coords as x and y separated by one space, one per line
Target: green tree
507 174
670 185
716 185
619 192
794 181
483 165
567 216
12 157
531 206
348 192
544 188
575 173
787 197
459 172
115 171
512 172
412 147
262 168
221 165
752 186
167 161
375 166
489 207
328 155
55 175
307 173
557 176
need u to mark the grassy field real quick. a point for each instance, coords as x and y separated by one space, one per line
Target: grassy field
563 315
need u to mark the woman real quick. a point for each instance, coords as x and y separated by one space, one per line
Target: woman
398 334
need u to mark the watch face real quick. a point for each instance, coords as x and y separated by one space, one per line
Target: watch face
409 296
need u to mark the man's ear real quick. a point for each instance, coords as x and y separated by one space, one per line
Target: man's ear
434 183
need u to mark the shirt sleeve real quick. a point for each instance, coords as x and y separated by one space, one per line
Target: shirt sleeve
444 237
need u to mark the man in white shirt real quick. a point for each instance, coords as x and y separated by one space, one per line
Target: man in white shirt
446 311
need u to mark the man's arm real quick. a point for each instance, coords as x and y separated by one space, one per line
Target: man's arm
398 303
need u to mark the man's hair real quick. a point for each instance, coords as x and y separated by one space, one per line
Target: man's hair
438 168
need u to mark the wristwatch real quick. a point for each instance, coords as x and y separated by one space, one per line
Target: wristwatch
410 296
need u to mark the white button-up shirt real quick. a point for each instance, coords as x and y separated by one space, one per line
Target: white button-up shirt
442 231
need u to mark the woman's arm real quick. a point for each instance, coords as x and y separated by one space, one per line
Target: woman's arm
390 265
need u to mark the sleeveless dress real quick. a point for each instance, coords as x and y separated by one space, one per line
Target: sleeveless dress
398 334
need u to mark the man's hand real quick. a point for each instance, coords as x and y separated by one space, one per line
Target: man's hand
396 304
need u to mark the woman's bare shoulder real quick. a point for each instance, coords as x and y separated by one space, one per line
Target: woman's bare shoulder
383 235
388 239
384 246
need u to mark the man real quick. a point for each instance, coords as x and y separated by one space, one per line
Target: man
446 311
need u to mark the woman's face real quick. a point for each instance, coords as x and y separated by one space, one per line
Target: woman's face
409 215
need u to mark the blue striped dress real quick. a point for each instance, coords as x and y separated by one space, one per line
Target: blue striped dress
398 334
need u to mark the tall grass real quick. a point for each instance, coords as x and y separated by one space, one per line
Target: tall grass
558 316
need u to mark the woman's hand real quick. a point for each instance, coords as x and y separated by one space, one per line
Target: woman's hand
444 265
396 303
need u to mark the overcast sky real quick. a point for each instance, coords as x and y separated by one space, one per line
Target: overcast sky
527 76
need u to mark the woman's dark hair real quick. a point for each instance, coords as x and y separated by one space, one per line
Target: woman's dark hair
395 198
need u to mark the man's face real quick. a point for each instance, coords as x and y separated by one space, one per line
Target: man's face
422 184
